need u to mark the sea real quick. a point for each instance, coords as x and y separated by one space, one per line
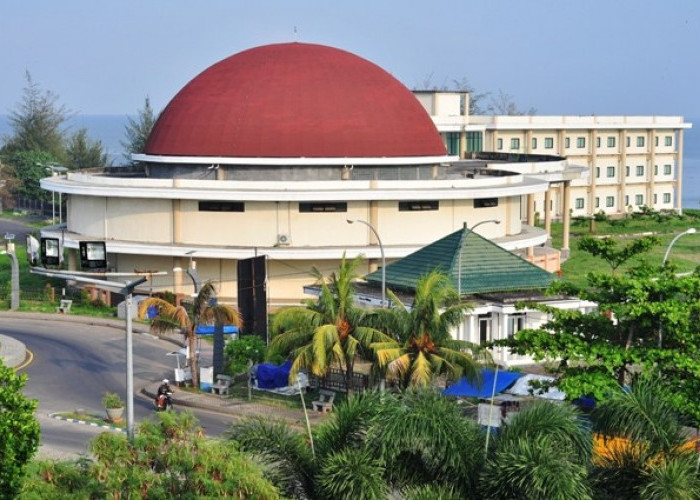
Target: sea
110 130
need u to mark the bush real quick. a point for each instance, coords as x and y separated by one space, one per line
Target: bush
238 352
112 400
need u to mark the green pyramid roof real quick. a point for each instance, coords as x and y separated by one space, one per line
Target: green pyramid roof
485 267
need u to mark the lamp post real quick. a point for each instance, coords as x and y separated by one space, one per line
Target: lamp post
14 278
55 170
691 230
459 260
381 251
128 293
191 272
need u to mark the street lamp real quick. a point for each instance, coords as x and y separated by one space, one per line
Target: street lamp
191 272
691 230
55 171
14 285
459 260
381 251
128 293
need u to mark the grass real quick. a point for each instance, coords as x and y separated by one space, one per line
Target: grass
93 419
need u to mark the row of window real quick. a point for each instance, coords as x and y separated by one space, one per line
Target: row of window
580 142
326 206
639 170
580 203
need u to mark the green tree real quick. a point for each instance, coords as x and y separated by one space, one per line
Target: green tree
180 318
137 130
169 458
329 331
37 123
27 168
423 347
599 350
656 462
239 352
82 152
19 430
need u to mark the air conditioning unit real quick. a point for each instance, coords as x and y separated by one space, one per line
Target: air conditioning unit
283 239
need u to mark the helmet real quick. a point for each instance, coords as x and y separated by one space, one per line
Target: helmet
165 380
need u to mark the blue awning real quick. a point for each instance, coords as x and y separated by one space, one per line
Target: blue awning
209 330
482 388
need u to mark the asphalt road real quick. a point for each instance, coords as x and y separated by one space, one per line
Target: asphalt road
74 364
17 228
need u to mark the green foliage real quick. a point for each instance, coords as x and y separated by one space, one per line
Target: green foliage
422 346
675 479
82 152
36 123
112 400
238 352
137 130
27 168
366 481
328 331
606 249
19 430
169 458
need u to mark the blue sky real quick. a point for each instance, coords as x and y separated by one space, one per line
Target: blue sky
558 56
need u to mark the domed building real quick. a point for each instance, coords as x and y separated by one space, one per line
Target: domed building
271 152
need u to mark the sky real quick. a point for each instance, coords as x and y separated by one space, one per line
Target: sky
604 57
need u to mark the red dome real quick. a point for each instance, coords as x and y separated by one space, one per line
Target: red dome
294 100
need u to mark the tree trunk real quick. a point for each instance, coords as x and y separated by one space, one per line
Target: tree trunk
193 359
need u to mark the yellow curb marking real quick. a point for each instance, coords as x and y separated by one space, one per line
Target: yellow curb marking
28 362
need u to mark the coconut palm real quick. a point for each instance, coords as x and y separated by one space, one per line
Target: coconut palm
423 347
654 459
328 331
179 318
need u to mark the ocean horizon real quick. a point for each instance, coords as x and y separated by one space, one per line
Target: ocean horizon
110 130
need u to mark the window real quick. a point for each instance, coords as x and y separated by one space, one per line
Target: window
221 206
597 172
628 141
656 141
499 144
639 199
580 142
627 171
597 202
515 143
640 170
655 199
567 143
485 202
452 143
656 170
420 205
516 322
667 169
627 200
323 206
667 197
609 201
668 140
640 141
548 142
611 171
597 142
611 141
534 143
474 141
579 203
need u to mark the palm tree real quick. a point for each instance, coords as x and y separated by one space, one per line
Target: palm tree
179 318
327 331
423 347
656 462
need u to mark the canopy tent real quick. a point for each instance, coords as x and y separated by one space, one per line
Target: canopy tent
483 387
522 387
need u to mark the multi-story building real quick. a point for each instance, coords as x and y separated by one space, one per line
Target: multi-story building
632 161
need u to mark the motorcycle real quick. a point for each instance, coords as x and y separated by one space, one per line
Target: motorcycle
163 402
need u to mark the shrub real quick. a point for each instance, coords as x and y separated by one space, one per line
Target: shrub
112 400
238 352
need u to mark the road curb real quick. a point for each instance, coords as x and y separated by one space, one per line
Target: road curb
12 352
57 416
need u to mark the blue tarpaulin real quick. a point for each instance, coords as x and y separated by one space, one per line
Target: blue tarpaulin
272 376
209 330
482 388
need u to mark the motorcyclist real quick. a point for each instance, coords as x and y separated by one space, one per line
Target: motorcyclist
165 390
